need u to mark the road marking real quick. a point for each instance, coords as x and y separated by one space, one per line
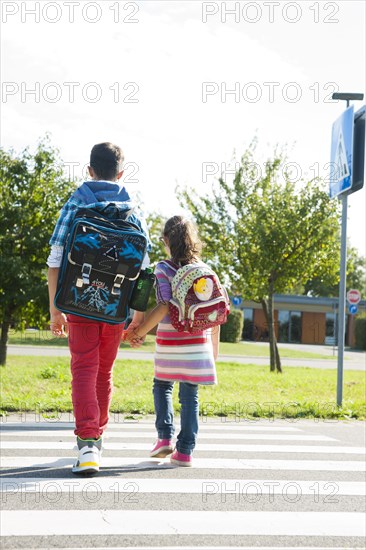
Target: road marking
219 447
226 425
152 435
214 548
140 463
205 487
147 522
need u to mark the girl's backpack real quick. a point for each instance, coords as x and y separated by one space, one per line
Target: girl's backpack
101 263
199 301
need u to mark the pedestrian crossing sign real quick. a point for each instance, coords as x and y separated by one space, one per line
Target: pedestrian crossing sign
342 153
341 157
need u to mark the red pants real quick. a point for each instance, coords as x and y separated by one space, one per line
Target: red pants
93 346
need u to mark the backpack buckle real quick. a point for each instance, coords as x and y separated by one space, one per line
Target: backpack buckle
118 280
85 273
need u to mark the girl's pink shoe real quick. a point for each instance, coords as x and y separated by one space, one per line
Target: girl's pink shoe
162 448
180 459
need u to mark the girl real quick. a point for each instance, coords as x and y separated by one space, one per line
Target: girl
179 357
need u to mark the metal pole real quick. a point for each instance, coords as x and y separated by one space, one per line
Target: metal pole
342 300
342 284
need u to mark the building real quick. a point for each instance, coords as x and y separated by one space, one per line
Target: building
299 319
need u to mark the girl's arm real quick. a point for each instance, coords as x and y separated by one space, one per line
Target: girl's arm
215 336
154 317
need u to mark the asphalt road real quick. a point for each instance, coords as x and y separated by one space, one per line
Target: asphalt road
273 484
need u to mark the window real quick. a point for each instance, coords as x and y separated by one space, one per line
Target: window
330 324
283 325
295 327
248 328
289 326
331 329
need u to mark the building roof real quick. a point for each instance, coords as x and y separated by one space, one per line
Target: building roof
306 303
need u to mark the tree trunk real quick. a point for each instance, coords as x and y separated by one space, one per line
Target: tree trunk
5 325
268 309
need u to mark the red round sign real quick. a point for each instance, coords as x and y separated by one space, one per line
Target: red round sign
354 296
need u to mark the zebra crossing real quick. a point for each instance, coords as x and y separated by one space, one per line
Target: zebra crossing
263 485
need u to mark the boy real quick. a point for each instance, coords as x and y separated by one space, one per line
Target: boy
93 344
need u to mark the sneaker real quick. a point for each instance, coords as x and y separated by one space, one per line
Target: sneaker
88 457
162 448
181 459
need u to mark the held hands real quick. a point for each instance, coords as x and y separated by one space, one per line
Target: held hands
130 335
59 325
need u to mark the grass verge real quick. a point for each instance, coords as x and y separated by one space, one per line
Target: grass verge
247 391
241 349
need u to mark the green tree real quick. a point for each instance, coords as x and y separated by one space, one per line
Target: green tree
155 223
33 188
266 234
356 277
356 271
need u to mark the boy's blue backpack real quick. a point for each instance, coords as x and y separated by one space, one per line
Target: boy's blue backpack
102 260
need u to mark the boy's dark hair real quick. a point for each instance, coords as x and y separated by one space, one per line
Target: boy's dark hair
106 160
184 243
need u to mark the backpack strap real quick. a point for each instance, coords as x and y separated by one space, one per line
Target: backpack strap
170 264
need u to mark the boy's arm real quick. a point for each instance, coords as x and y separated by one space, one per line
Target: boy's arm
154 317
215 336
58 321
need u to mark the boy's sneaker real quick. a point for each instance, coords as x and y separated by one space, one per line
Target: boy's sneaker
162 448
88 457
181 459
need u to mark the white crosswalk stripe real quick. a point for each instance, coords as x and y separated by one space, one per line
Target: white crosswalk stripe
218 547
200 486
151 435
186 522
285 496
199 463
234 447
219 427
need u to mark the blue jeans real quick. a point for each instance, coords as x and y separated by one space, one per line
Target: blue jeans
188 398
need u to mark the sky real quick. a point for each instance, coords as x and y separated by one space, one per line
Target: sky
182 86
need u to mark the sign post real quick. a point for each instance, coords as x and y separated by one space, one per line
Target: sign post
342 301
340 184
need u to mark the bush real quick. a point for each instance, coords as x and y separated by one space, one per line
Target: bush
48 372
231 331
360 332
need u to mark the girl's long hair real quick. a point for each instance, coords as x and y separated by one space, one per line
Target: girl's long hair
184 243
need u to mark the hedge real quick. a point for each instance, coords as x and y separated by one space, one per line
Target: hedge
233 328
360 332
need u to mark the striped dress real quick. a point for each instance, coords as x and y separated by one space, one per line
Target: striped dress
180 356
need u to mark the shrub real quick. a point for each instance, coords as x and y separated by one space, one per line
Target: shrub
360 332
232 330
48 372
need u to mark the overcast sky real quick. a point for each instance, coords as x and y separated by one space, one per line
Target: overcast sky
155 77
